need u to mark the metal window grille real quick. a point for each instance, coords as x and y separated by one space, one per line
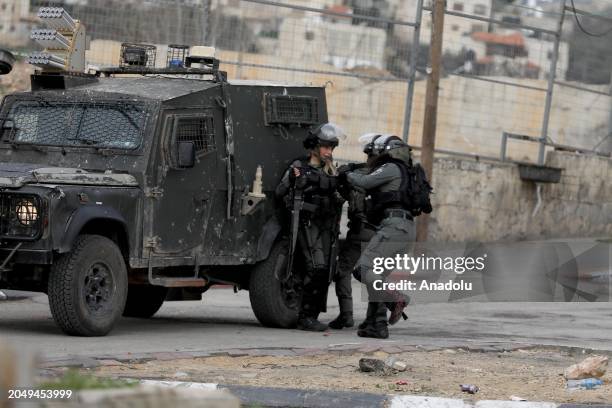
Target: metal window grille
199 131
45 123
285 109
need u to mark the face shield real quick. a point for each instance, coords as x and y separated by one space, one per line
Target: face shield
386 142
367 142
329 134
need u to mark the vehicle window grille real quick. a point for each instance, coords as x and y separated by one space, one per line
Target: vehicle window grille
116 125
199 131
286 109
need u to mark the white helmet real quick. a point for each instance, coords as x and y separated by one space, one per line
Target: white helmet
325 134
377 143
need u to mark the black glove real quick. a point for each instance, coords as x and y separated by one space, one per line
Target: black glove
348 167
298 181
345 168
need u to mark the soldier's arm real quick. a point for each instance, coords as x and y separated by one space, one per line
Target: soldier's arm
285 184
380 176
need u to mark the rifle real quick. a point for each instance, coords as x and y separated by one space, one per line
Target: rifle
297 199
333 257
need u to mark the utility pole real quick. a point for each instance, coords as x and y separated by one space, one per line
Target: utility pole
551 86
431 104
414 57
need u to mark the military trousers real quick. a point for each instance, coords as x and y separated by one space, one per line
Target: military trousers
394 236
314 243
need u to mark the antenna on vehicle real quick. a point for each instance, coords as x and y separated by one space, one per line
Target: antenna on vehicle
64 41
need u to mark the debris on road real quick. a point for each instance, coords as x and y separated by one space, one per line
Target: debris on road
534 376
584 384
401 382
515 398
469 388
390 366
396 364
592 367
373 365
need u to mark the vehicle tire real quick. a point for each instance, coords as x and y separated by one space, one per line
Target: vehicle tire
269 298
143 301
88 287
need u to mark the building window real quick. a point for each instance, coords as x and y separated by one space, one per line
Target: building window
480 9
549 55
478 28
458 6
309 35
455 27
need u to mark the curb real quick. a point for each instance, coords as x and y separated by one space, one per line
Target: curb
290 397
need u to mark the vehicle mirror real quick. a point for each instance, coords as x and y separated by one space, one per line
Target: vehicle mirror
7 60
186 154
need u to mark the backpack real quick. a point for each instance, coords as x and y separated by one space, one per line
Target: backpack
412 194
415 189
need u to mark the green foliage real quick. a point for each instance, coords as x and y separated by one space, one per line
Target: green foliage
76 381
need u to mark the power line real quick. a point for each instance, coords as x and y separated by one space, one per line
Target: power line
585 30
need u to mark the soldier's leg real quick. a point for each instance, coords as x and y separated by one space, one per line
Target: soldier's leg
315 280
388 241
375 325
349 254
401 234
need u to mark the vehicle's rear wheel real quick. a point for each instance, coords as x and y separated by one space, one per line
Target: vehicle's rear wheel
88 287
144 301
275 304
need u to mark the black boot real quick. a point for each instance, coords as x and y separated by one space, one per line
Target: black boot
374 309
310 324
377 331
344 319
367 322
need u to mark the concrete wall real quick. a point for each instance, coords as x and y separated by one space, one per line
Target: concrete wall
487 201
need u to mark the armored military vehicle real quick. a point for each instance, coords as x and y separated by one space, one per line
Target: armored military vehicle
133 185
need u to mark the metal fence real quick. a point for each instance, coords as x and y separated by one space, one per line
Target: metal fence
373 59
508 70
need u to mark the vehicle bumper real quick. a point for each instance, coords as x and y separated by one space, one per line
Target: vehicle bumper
12 253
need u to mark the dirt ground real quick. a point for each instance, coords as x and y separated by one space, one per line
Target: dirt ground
533 374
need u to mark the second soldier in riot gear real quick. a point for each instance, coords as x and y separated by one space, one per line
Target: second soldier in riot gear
390 184
309 188
359 233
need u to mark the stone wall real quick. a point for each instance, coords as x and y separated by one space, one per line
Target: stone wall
487 201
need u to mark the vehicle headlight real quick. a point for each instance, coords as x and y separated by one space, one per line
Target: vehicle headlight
27 213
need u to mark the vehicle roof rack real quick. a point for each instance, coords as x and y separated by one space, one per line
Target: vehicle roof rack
212 68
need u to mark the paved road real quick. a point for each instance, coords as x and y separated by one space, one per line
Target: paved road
224 320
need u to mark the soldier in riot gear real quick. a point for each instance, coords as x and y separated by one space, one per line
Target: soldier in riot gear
398 191
309 188
359 233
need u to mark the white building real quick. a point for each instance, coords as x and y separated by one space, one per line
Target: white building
334 42
456 29
14 22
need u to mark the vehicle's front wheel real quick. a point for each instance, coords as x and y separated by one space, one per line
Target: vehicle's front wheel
144 301
88 287
275 304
